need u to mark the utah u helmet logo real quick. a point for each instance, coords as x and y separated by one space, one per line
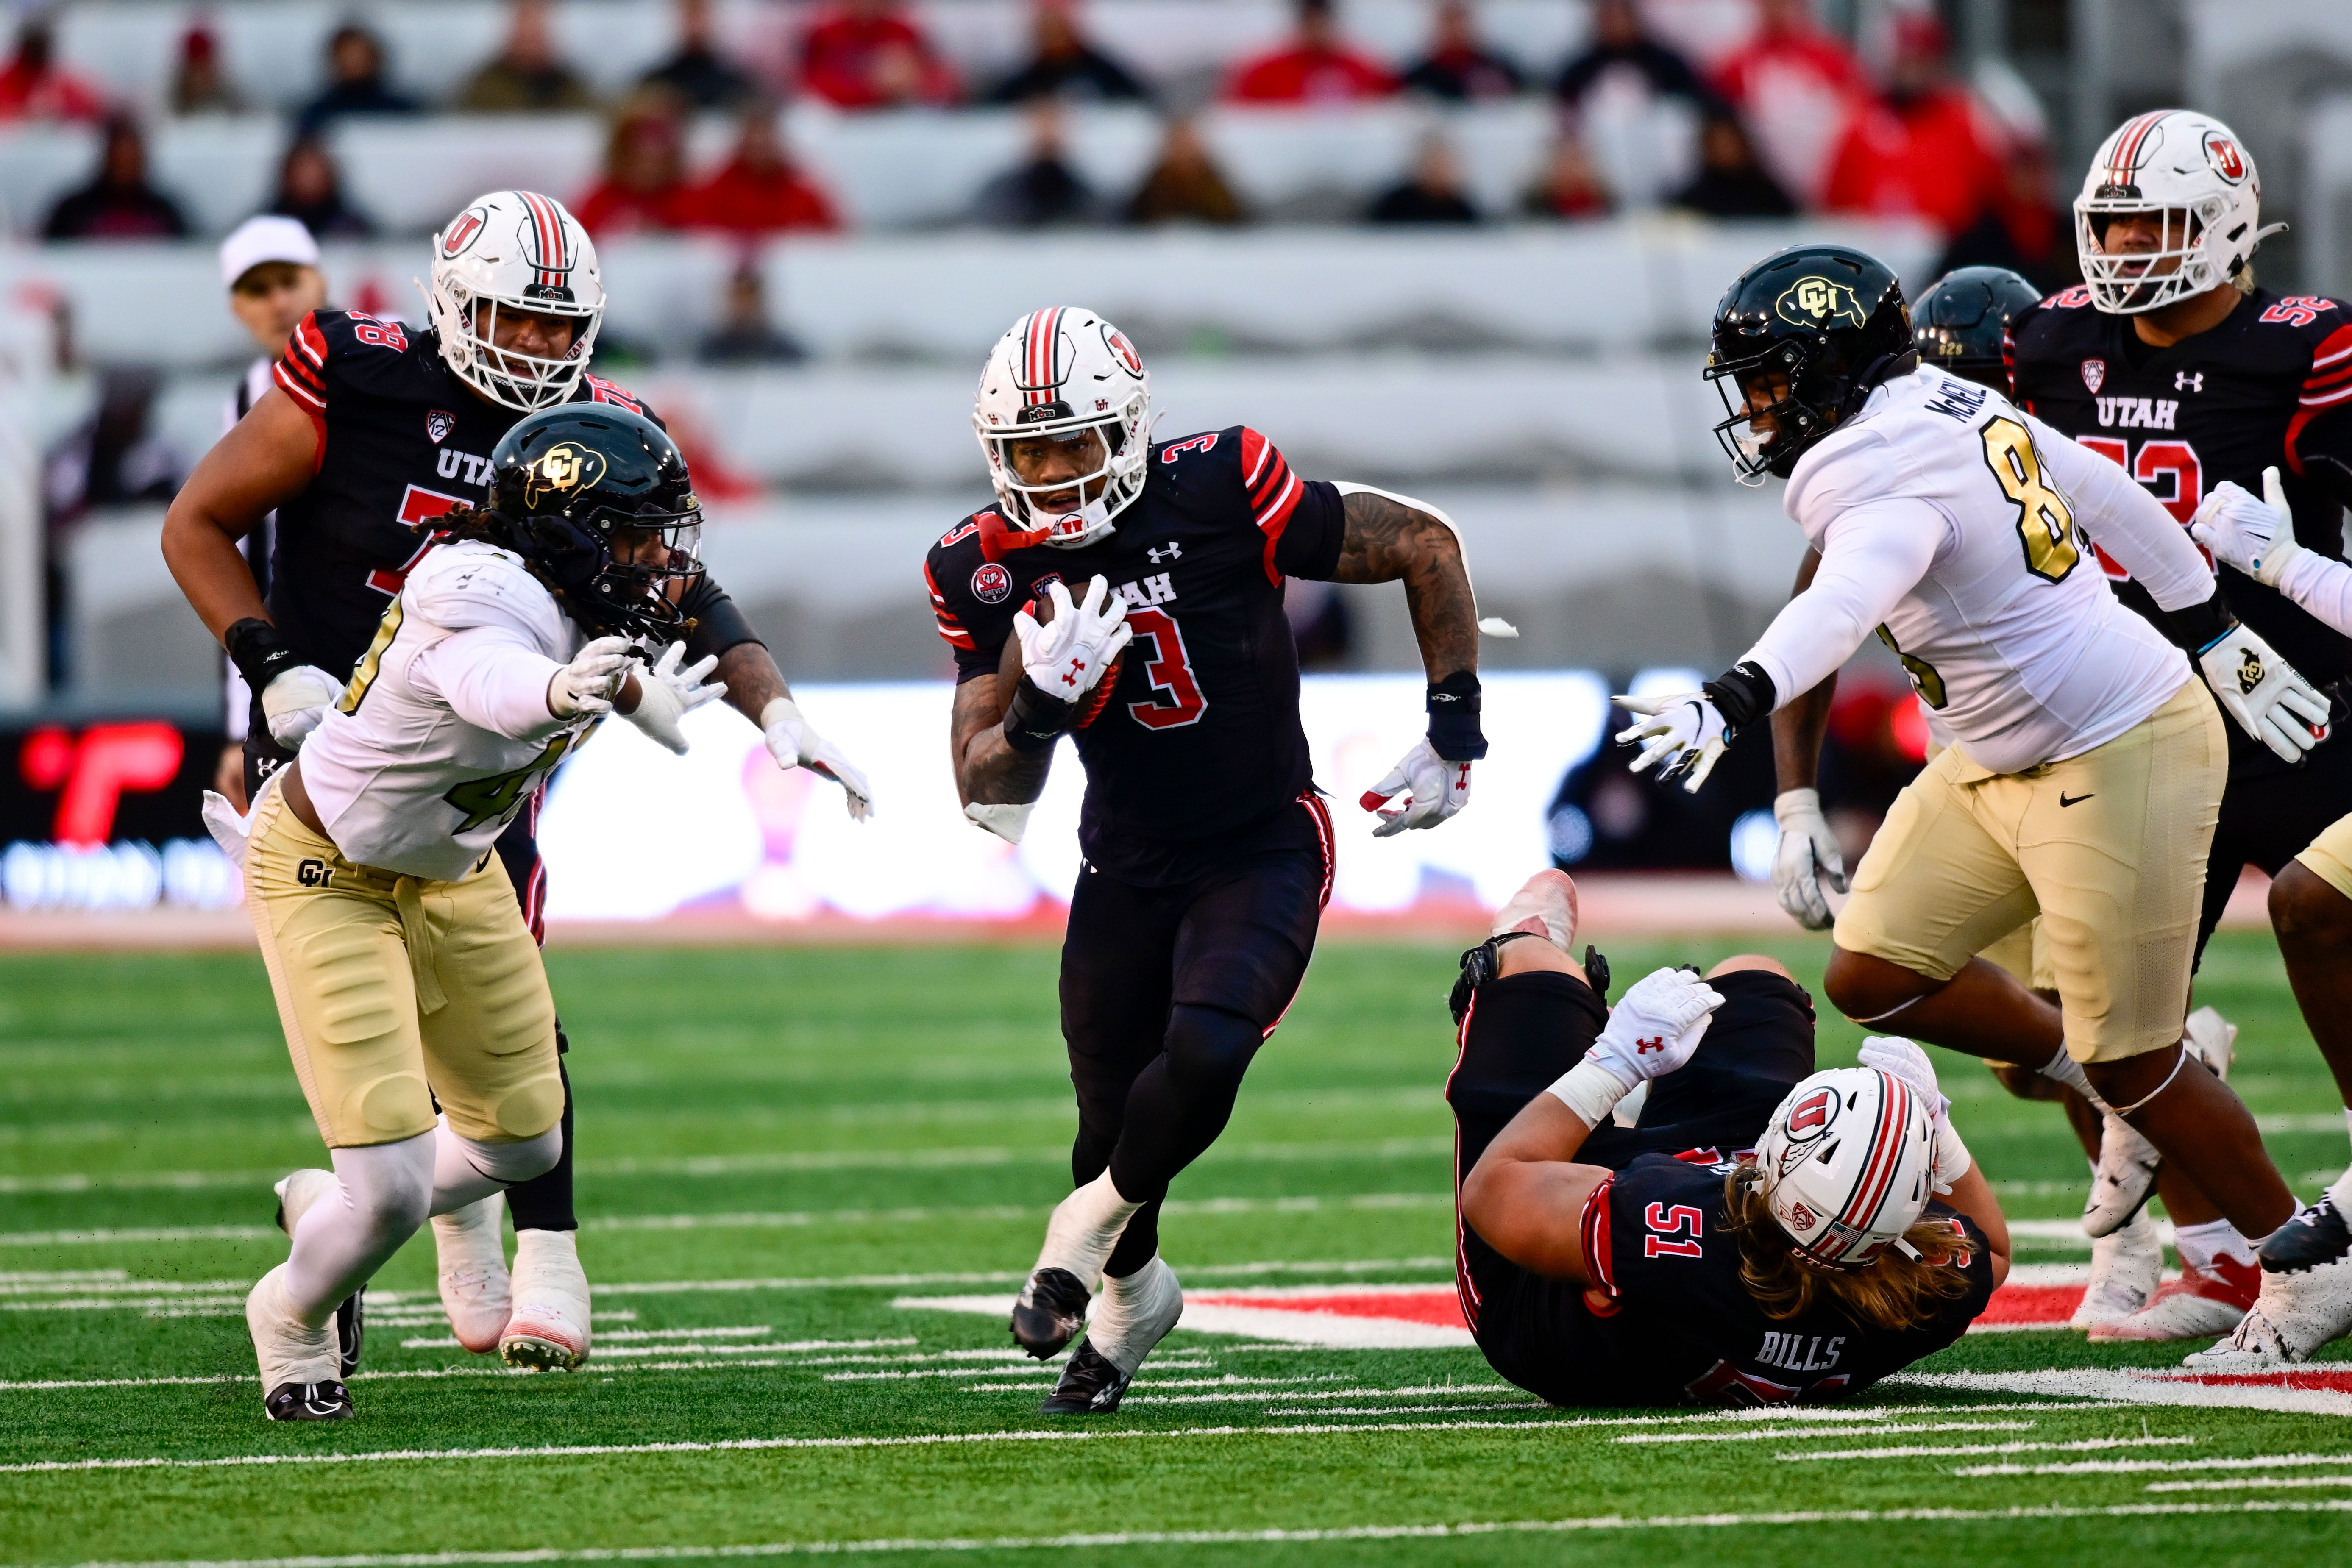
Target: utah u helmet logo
1816 301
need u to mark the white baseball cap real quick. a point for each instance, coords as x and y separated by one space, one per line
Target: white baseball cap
266 238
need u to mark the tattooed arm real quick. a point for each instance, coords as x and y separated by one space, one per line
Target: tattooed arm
987 768
1388 541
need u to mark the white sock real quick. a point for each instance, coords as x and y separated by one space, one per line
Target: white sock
1134 1314
1085 1227
2200 1245
2340 1190
385 1191
2347 1118
466 1172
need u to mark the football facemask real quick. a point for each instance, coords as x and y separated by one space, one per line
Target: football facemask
514 251
1064 373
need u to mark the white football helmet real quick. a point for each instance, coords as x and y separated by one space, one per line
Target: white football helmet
2191 169
1847 1164
514 250
1066 374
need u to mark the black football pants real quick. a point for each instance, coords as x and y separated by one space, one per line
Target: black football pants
2268 817
1167 994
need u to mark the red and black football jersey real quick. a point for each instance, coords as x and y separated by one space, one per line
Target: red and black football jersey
401 440
1200 740
1682 1325
2270 386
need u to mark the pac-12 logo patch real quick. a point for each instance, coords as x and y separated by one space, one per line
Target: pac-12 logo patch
991 584
439 423
2094 374
461 232
1818 302
2222 156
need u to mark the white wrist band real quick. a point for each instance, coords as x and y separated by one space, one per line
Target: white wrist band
1950 1147
1790 803
1590 1090
776 709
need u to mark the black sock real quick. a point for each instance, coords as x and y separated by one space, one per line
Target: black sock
544 1202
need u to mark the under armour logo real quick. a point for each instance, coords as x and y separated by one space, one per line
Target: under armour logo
2184 381
1643 1047
1173 552
1078 667
2250 673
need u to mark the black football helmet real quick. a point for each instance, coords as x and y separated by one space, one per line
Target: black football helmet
596 500
1800 338
1960 322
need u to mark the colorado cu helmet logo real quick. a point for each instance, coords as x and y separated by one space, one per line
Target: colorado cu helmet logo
2222 156
565 466
1811 1116
1818 302
461 233
991 584
1117 342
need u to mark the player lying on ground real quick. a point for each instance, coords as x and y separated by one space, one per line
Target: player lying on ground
1208 848
1961 326
1761 1233
369 433
405 974
2087 762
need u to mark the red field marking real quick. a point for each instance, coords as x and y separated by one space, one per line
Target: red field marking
2031 1307
1437 1305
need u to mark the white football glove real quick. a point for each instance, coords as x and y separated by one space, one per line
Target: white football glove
667 694
2256 537
2268 697
1432 789
794 743
1655 1026
1066 658
296 701
588 683
1899 1056
1681 730
1807 860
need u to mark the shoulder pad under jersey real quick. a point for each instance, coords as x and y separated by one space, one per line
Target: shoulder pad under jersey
337 351
596 389
469 583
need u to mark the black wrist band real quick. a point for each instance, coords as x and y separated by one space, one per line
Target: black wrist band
1034 721
1742 694
260 653
2200 626
1453 717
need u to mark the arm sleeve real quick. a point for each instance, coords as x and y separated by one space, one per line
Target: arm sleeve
2127 521
1876 553
494 679
718 625
2321 585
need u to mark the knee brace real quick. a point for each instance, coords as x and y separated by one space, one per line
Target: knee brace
1209 1048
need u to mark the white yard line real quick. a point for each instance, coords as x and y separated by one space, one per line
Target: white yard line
2234 1483
1844 1431
2139 1466
144 1234
1940 1450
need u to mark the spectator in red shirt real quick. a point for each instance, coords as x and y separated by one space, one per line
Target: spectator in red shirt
34 87
1794 86
761 190
1926 149
645 184
1568 186
1314 68
863 54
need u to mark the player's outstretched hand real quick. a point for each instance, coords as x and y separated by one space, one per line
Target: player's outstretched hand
295 703
1426 789
588 683
1899 1056
793 742
1655 1026
2256 537
667 694
2268 696
1064 657
1682 731
1807 860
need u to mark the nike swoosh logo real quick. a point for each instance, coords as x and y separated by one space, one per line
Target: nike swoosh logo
2063 800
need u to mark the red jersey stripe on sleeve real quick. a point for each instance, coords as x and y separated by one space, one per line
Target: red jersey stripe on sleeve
2329 386
302 388
310 343
943 617
1592 1229
1256 450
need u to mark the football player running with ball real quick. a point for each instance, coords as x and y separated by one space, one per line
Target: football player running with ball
1128 593
1758 1233
2086 761
405 977
370 433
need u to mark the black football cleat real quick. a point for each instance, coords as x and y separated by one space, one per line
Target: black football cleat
351 1328
1090 1386
309 1402
2316 1234
1049 1311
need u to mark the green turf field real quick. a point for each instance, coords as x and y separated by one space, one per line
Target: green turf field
776 1148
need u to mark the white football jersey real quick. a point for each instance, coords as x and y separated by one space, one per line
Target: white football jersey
404 780
2011 637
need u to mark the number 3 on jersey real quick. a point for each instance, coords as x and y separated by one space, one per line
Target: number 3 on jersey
2044 521
1170 670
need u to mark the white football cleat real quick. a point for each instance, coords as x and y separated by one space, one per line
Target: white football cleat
301 1369
1130 1318
2212 1039
2294 1315
474 1289
2122 1180
2125 1267
2201 1302
549 1329
1545 906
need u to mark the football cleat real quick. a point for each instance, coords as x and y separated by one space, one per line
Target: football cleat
299 1364
549 1329
2212 1039
2202 1302
2315 1237
297 1193
475 1291
2122 1180
1090 1386
1049 1312
2293 1316
2125 1267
